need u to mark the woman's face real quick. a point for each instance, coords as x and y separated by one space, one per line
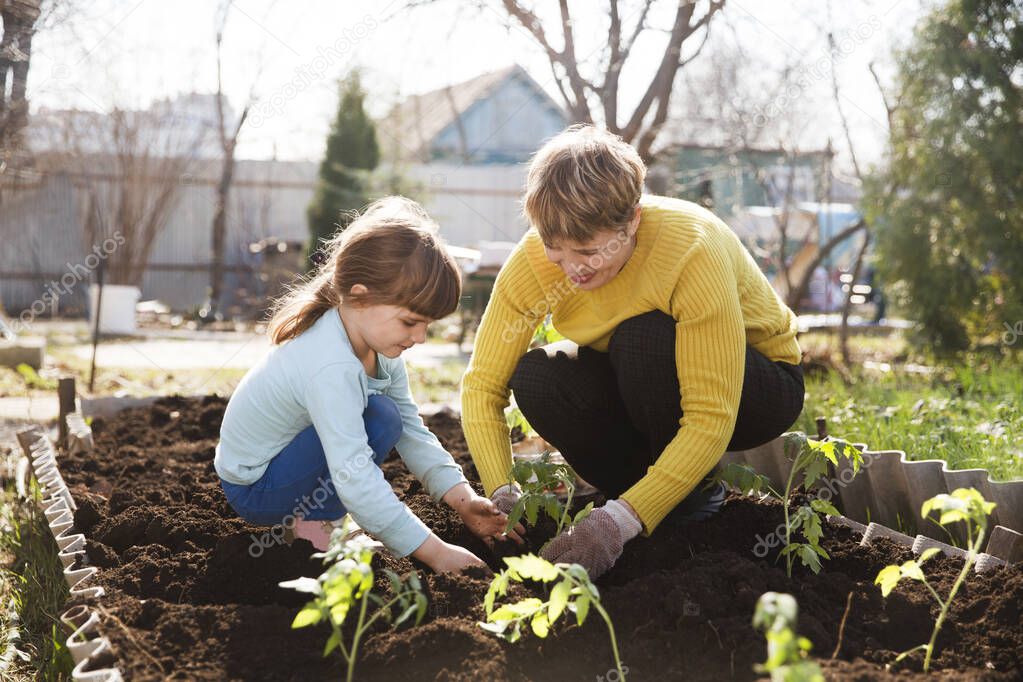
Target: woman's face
592 264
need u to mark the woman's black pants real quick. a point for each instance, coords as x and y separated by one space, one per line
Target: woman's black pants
612 414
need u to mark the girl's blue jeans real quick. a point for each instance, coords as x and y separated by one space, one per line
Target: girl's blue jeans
297 482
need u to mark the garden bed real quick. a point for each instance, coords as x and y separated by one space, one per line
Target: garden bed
191 591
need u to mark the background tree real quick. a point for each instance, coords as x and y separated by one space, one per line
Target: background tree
352 151
227 137
952 236
589 83
18 20
129 166
763 118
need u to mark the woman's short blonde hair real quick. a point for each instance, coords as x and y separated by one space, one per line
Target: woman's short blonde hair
581 182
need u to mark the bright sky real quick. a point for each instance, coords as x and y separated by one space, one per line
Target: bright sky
291 52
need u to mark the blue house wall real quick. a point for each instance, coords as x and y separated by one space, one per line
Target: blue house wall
505 127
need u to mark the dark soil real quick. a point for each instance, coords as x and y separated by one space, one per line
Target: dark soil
187 600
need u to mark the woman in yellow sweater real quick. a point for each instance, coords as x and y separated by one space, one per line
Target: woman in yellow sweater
677 346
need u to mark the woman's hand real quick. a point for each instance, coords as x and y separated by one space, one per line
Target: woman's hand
443 557
481 516
596 542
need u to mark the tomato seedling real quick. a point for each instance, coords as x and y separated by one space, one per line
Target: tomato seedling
572 591
810 459
346 587
966 505
539 479
787 653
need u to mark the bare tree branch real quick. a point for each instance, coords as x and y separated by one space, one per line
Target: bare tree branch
841 112
228 146
825 249
888 106
577 104
647 120
619 54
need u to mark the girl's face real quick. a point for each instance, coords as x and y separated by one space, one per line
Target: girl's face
386 329
390 330
592 264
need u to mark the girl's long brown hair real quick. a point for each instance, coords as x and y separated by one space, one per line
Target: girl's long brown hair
392 249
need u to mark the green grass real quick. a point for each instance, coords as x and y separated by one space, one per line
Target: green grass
437 383
968 414
33 594
879 348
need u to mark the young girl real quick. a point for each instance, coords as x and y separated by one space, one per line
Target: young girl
307 428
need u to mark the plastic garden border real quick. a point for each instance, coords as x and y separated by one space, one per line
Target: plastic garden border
58 507
889 490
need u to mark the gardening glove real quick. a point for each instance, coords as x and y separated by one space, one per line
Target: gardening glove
505 497
596 542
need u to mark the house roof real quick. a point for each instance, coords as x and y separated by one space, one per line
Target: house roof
412 125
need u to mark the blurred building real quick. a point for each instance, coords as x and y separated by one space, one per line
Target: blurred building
461 152
465 146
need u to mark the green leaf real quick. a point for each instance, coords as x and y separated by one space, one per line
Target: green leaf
422 603
742 477
524 608
582 608
532 509
812 526
825 448
808 555
532 567
911 569
558 600
927 554
888 578
333 642
406 614
488 600
516 514
951 516
815 469
552 506
310 615
583 513
540 624
339 612
823 507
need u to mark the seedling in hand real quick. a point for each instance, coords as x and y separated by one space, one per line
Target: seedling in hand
787 653
346 587
966 505
572 591
538 480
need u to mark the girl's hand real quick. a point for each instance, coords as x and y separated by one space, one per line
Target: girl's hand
487 522
444 557
481 516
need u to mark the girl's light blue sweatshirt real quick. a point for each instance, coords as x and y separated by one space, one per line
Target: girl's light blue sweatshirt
316 379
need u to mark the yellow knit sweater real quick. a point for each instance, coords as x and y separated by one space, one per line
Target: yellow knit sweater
687 263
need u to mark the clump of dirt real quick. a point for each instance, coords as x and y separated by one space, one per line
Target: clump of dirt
192 590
